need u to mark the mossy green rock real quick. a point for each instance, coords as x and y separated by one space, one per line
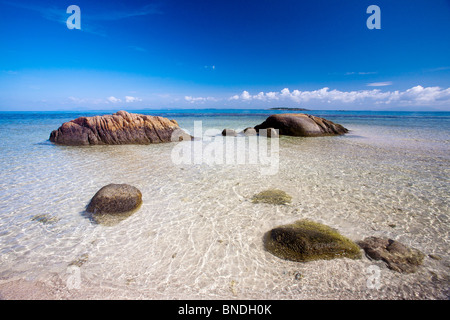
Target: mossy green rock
306 240
272 196
114 203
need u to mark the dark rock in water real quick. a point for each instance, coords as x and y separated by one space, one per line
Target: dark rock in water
119 128
397 256
115 198
435 256
45 219
250 131
180 135
229 132
114 202
302 125
272 196
80 261
306 240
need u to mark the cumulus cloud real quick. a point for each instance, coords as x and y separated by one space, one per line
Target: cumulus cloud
130 99
91 101
246 95
417 95
113 99
75 99
199 99
426 95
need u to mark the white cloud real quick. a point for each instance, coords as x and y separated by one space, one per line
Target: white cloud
380 84
426 95
86 100
360 73
200 99
417 95
74 99
130 99
246 95
113 99
10 72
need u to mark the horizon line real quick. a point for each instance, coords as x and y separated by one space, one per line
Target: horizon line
221 109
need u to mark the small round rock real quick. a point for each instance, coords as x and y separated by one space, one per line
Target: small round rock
115 198
229 132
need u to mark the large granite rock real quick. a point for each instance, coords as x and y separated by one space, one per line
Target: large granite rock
397 256
119 128
306 240
114 202
302 125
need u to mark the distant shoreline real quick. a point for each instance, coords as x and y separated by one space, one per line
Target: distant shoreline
292 109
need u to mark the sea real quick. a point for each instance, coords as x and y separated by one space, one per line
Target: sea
198 235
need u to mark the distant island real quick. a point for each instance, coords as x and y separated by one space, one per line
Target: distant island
293 109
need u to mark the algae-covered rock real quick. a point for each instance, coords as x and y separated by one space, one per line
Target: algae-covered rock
272 196
45 219
80 260
114 202
397 256
305 240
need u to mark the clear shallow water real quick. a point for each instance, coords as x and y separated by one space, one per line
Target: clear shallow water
198 235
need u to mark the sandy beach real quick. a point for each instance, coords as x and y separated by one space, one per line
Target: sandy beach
198 235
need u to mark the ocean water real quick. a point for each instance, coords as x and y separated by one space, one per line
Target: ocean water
198 235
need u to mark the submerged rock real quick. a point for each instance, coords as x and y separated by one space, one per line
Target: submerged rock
114 202
229 132
435 256
80 261
305 240
272 196
302 125
119 128
180 135
269 132
250 131
45 219
397 256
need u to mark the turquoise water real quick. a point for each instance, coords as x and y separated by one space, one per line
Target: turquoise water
197 235
13 124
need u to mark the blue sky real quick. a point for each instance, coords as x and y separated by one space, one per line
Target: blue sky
225 54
